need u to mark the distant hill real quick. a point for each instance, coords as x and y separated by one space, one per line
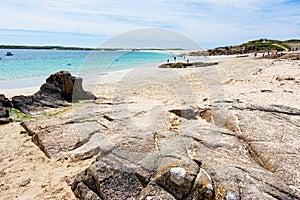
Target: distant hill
42 47
254 46
292 41
81 48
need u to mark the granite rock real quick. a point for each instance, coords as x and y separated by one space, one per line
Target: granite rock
203 159
60 89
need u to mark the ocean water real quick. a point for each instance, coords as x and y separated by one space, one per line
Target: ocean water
28 68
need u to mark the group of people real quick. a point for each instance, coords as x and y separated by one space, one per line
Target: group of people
273 53
175 58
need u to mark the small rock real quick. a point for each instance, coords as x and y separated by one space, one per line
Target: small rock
185 113
206 114
176 180
177 175
266 90
25 182
285 78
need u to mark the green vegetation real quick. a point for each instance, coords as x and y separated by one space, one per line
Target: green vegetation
261 45
266 44
54 113
292 41
17 115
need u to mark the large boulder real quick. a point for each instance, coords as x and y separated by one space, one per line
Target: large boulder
59 89
62 85
4 101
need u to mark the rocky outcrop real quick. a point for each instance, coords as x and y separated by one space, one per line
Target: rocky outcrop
198 53
153 137
59 89
175 65
261 45
218 152
63 86
4 112
186 65
291 56
231 50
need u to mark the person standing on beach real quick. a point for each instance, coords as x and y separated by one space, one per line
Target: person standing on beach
175 59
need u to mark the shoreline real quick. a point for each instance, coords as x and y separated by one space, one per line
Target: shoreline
92 80
31 85
88 82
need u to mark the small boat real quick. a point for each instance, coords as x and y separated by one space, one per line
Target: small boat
9 54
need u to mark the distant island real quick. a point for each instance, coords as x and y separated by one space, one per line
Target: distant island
78 48
43 47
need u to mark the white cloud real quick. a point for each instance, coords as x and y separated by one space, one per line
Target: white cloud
202 20
151 38
242 4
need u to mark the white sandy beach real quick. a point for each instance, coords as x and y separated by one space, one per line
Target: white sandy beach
26 173
90 79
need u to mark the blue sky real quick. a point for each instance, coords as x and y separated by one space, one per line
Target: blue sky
89 23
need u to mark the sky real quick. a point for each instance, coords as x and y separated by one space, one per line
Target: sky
90 23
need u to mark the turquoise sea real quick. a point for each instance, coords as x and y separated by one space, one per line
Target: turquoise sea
27 68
